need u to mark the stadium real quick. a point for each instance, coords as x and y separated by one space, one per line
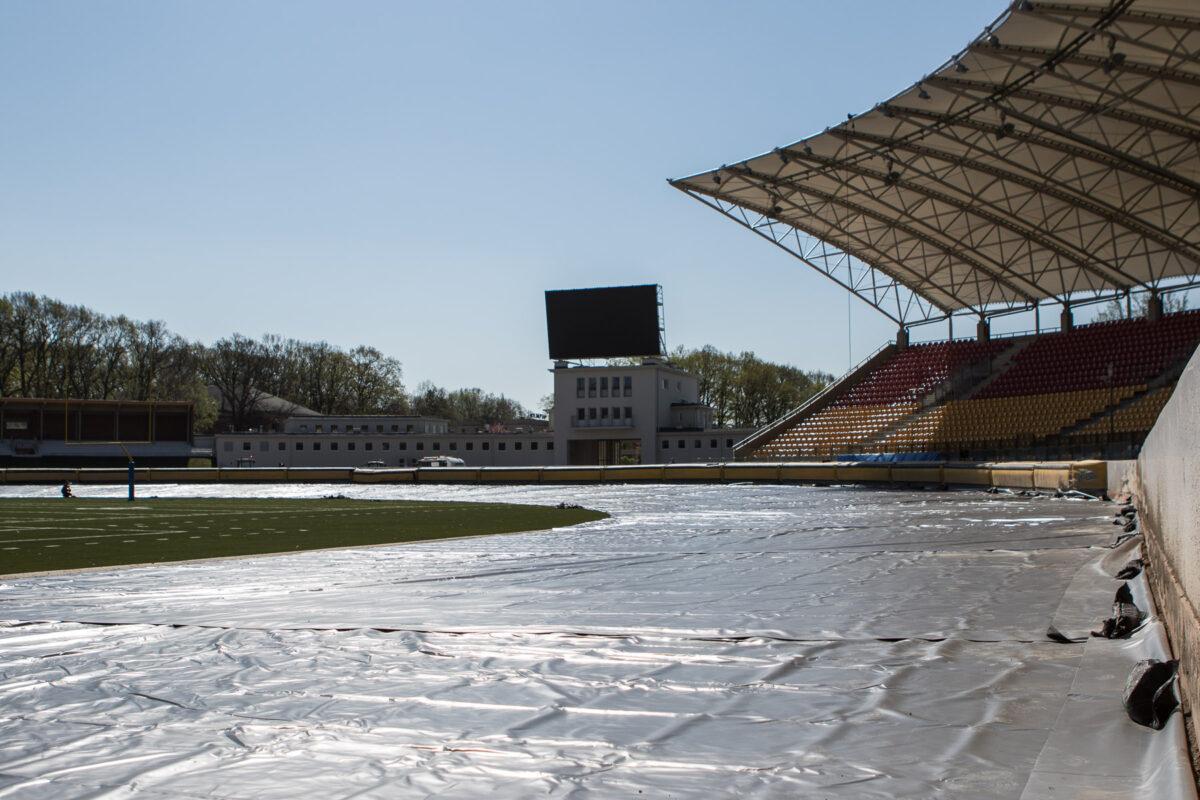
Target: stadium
966 568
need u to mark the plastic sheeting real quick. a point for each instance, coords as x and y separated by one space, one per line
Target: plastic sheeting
703 641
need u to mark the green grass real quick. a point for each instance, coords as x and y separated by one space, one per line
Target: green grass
37 535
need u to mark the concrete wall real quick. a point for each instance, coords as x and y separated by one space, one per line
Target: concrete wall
1167 489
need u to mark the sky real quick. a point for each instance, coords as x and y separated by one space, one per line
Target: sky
414 176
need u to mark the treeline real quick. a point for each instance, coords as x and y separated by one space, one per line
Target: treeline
52 349
744 390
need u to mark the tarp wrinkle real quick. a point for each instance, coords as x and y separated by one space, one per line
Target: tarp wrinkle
824 642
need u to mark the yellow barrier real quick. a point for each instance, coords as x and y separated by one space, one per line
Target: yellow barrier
183 475
1057 478
752 472
105 475
20 475
1086 476
510 475
693 472
257 474
1012 476
1089 476
901 473
858 473
969 476
337 475
818 473
448 474
640 472
384 475
566 474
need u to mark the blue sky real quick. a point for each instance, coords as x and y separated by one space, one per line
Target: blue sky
414 176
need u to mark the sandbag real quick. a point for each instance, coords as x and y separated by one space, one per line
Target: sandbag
1150 694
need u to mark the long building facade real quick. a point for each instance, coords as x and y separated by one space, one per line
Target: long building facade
642 414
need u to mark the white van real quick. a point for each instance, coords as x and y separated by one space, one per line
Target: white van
440 461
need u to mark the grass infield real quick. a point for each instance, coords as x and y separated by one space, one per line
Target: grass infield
40 535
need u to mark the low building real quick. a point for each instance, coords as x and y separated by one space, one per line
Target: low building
36 432
380 441
647 413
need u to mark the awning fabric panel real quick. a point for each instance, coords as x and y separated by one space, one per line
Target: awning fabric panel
1057 155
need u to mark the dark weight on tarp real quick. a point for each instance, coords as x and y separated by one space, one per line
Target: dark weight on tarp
1150 694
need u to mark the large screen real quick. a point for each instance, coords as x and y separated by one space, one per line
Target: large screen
603 323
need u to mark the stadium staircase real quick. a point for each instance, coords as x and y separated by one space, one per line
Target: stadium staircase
1061 394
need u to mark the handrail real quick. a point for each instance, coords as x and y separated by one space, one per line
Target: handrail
773 426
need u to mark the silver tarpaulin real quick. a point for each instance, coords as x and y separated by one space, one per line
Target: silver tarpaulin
704 641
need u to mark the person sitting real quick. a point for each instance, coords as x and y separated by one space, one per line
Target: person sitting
66 490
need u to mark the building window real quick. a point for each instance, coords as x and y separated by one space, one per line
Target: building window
591 387
316 445
666 444
604 412
487 445
502 445
579 387
516 445
370 445
582 414
591 412
616 412
379 429
304 428
387 445
712 443
437 445
604 386
454 445
533 445
470 445
283 446
682 444
245 445
299 445
333 428
320 429
408 428
350 445
395 428
628 412
628 386
420 445
729 442
549 445
697 443
229 447
333 445
403 445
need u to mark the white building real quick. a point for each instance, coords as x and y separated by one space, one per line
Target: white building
648 413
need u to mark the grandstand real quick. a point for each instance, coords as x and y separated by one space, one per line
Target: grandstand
1091 391
1052 163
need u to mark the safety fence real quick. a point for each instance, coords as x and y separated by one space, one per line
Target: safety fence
1085 476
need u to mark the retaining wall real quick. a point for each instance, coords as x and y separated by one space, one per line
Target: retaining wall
1167 492
1086 476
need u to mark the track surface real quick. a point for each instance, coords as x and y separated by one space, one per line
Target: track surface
38 535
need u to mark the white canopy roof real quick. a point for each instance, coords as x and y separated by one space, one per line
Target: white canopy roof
1057 156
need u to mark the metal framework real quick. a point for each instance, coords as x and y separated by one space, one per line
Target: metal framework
1055 158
